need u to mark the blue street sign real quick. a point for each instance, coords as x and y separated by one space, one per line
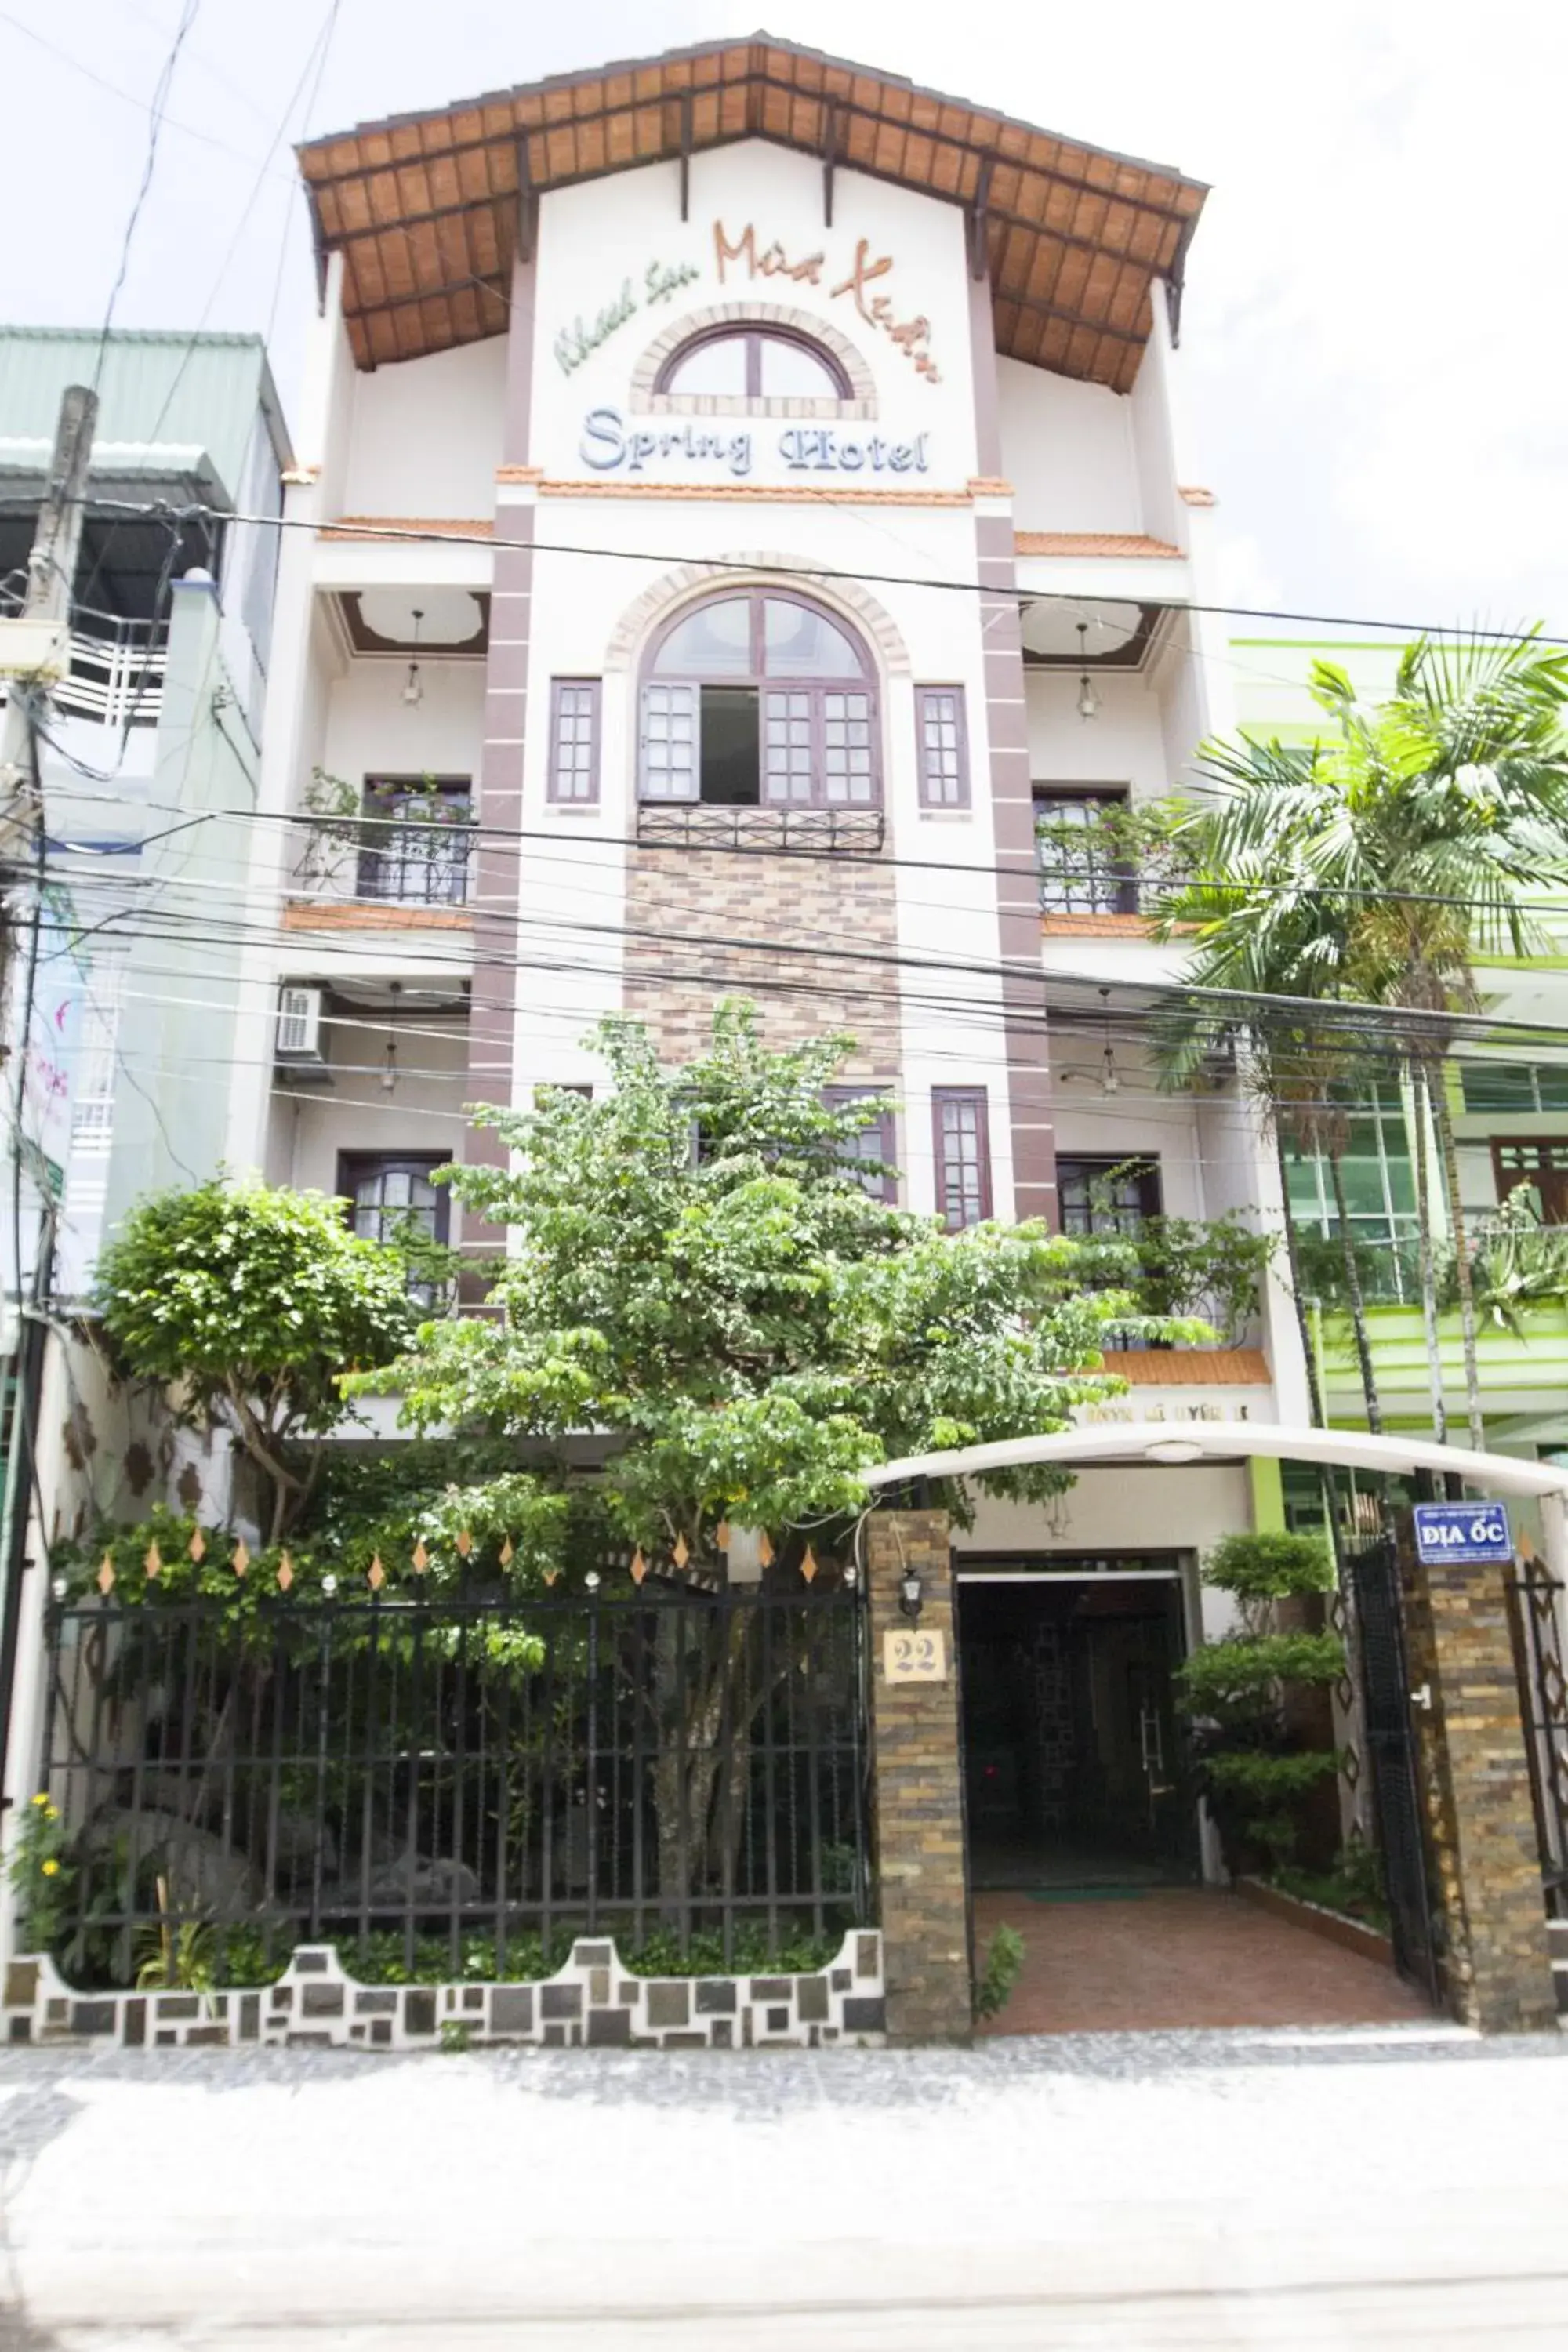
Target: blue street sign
1462 1531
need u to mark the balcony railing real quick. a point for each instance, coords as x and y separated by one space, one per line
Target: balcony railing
116 674
383 861
1078 878
416 865
693 824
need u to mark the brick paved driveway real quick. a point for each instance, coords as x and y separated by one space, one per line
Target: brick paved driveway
1178 1957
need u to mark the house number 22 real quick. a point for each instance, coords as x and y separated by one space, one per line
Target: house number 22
913 1656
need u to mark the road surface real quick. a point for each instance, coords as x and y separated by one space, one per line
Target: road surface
1407 2188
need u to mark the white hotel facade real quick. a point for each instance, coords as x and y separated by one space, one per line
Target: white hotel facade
728 536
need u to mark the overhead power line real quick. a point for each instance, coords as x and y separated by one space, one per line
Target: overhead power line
161 89
1370 1027
142 106
1026 867
409 534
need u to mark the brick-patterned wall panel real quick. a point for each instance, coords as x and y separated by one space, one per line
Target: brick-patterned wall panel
919 1791
1481 1814
707 923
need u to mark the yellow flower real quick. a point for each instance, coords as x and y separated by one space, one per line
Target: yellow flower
50 1867
42 1798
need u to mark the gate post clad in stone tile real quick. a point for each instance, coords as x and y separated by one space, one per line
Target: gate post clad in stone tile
1497 1962
919 1789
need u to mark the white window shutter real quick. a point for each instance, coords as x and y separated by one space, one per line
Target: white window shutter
670 764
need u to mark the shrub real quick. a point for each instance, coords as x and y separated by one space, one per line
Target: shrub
1004 1959
1240 1678
1269 1566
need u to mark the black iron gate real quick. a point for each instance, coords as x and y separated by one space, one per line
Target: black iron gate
1534 1603
1393 1760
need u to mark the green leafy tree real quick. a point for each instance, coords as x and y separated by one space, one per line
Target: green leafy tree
246 1302
699 1274
1377 867
712 1318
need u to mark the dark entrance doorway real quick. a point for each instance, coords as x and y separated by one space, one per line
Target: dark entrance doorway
1072 1765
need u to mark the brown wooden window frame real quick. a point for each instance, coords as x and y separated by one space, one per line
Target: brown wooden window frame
942 1099
670 702
560 774
1141 1169
932 773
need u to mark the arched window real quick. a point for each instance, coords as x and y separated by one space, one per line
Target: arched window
747 363
758 699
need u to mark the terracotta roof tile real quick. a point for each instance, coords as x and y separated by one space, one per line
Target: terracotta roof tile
1183 1368
1092 542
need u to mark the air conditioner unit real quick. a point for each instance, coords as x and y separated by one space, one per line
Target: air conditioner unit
298 1021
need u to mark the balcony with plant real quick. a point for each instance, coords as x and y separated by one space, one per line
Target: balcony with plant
1206 1275
1107 859
390 843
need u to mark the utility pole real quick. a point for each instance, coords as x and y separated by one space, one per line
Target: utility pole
35 644
35 655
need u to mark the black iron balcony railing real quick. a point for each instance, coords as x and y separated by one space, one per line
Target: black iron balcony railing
416 865
695 824
1078 877
389 859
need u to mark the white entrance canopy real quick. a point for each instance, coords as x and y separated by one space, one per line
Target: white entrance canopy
1171 1444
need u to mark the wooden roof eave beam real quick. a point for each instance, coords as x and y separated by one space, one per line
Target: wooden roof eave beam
433 294
1068 318
993 212
841 107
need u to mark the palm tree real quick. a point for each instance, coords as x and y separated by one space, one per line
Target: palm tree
1377 869
1256 936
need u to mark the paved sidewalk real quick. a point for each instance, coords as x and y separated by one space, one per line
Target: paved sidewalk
1180 1956
1407 2188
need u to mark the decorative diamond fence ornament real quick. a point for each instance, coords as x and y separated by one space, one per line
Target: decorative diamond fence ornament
764 1549
506 1554
639 1566
377 1576
154 1559
808 1565
465 1543
421 1556
105 1577
680 1555
285 1574
197 1546
550 1574
241 1559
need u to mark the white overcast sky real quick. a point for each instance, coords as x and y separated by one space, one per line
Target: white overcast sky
1374 327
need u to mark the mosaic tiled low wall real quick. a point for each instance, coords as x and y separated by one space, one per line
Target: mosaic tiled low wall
591 2003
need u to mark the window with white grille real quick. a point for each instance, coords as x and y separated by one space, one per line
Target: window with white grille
760 700
574 739
943 746
963 1145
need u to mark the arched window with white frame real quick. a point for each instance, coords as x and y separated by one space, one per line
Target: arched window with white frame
752 362
759 697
